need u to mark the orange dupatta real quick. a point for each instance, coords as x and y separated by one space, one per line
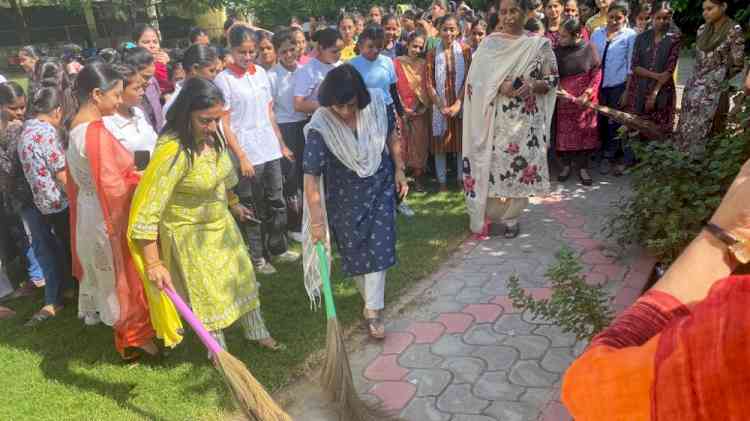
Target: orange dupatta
662 361
114 175
411 81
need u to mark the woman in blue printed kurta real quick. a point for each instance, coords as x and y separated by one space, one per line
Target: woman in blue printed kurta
349 144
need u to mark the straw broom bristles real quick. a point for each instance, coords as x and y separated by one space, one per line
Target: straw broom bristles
336 380
251 397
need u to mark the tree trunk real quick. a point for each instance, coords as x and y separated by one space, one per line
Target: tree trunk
88 13
23 30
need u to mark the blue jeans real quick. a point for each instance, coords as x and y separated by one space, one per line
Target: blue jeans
612 144
33 269
50 241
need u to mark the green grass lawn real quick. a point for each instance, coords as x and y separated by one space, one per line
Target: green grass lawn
63 370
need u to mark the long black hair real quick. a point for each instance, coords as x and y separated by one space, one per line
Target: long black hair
199 56
341 85
9 92
196 32
240 34
127 73
44 101
326 38
32 51
97 75
50 73
197 94
137 57
280 37
140 29
373 32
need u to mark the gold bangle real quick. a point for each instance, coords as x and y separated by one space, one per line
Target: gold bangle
154 264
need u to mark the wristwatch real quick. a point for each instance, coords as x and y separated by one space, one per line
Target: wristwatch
738 247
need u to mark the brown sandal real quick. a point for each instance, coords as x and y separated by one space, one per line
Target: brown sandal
375 326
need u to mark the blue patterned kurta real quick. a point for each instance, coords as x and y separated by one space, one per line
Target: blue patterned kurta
361 211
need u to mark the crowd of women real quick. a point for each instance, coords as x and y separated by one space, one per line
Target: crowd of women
136 170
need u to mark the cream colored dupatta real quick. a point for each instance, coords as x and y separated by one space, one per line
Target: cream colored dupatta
499 57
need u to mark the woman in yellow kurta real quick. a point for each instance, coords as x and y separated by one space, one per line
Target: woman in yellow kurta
181 223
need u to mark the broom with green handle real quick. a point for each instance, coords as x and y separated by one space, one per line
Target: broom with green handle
336 377
251 397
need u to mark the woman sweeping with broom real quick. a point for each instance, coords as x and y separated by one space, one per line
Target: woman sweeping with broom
184 202
353 171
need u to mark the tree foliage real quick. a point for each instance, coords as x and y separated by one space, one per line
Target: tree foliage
675 194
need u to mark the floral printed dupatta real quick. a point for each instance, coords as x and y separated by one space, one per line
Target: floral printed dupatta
499 57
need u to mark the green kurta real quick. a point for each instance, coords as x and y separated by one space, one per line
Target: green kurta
199 240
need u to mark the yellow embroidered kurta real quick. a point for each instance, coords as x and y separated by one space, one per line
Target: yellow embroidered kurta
186 209
348 53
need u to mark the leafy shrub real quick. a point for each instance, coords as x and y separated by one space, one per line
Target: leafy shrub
674 195
574 305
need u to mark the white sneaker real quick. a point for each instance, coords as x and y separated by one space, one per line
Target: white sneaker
265 268
294 236
287 257
91 319
405 209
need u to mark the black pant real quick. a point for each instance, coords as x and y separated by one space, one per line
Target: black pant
294 138
264 194
612 143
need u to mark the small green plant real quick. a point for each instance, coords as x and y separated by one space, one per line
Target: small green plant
574 305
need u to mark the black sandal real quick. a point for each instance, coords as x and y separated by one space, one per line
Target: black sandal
586 179
512 232
564 174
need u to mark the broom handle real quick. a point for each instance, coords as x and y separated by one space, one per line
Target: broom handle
193 321
326 275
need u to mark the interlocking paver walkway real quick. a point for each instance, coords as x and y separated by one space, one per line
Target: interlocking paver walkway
463 352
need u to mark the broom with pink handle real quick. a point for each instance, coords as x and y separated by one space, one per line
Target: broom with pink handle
250 395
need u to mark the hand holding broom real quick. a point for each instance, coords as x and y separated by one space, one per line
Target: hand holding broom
250 395
626 119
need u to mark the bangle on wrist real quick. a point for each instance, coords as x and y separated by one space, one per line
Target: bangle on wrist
156 263
737 247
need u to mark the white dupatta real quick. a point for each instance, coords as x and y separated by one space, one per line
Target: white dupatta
439 124
498 58
361 153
